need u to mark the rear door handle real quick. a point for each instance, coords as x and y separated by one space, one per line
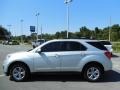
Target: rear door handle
82 54
56 55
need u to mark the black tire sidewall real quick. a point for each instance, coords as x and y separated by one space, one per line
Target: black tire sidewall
26 72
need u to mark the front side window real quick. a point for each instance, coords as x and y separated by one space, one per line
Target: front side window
51 47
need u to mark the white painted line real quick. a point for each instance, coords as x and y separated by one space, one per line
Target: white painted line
2 75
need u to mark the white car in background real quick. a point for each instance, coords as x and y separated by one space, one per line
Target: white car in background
38 42
89 57
107 44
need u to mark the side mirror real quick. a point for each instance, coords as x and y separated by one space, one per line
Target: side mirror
39 50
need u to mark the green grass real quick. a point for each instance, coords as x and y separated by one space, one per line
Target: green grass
116 47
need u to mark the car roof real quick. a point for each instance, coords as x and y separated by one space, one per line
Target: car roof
84 40
104 40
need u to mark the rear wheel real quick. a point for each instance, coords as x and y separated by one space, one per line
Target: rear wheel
93 73
19 72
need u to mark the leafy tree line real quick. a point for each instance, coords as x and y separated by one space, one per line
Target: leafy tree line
4 34
85 32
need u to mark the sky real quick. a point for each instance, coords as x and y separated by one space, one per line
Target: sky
53 15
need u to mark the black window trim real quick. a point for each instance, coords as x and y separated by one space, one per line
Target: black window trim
66 50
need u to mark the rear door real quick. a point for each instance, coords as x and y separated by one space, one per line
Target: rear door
73 53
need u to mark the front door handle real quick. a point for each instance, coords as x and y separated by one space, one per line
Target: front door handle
56 55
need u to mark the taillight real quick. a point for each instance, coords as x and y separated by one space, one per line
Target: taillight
108 54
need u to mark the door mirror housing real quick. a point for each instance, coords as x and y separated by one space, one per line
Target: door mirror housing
38 50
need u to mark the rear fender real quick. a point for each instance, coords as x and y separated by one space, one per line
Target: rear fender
91 58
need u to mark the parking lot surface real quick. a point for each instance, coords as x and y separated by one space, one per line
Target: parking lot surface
58 82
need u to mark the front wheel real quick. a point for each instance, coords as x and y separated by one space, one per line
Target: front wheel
93 73
19 72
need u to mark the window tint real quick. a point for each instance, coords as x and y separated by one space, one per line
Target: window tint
105 42
52 47
40 40
74 46
97 45
63 46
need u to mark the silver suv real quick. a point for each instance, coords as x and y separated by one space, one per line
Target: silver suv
66 55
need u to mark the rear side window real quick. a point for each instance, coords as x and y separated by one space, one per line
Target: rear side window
105 42
73 46
97 45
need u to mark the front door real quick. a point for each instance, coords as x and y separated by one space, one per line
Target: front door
48 59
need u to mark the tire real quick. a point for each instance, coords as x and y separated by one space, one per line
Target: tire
93 73
19 72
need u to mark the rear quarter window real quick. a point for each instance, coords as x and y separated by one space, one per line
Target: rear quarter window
97 45
105 42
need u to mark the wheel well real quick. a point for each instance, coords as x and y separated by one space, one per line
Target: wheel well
93 63
17 62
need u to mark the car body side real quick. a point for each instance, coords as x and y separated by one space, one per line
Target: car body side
29 58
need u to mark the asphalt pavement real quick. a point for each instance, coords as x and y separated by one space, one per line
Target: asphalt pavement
58 82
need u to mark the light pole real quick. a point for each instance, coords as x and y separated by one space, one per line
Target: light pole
21 30
41 31
110 30
67 2
9 26
37 15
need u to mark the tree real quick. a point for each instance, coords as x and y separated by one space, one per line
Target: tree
97 33
105 34
57 35
85 32
4 34
115 30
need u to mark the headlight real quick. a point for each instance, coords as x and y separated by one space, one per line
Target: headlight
6 59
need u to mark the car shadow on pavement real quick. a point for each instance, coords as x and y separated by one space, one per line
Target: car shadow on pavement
111 76
56 77
114 56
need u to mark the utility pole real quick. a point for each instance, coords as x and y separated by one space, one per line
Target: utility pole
9 27
10 33
37 15
41 31
67 2
110 30
21 30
